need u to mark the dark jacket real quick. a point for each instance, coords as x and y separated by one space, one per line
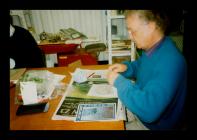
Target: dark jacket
24 50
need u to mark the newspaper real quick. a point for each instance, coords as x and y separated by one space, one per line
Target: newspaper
77 93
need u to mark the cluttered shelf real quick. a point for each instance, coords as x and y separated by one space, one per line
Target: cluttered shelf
43 121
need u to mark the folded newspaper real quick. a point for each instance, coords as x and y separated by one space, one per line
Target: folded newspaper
89 97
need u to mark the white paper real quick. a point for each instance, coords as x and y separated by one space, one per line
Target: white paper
79 76
28 92
102 90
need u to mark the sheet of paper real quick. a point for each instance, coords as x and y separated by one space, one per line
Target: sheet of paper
79 76
28 92
102 90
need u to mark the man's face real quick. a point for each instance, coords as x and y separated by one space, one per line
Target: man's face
140 31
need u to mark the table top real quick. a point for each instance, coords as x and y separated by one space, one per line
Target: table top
43 121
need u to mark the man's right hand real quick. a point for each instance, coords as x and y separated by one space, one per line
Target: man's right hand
118 67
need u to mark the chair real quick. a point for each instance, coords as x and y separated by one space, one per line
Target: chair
95 49
87 56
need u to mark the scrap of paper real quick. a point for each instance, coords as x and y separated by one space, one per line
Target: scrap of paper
28 92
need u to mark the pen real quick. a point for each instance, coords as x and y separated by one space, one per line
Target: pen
91 75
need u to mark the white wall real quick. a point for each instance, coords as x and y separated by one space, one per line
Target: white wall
90 22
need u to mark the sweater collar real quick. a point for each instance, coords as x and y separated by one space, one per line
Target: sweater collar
154 47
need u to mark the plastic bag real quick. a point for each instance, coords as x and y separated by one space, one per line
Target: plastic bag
45 84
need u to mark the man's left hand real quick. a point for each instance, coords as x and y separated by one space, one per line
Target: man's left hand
111 77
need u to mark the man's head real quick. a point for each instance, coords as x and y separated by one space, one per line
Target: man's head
145 27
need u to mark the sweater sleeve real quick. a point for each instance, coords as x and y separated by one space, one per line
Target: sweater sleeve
149 102
131 71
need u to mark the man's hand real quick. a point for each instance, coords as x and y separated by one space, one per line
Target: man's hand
118 68
111 77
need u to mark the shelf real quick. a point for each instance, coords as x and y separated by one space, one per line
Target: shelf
119 52
115 40
118 16
123 53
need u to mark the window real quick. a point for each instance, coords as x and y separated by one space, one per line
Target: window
17 20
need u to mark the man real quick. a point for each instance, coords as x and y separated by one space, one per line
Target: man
24 51
157 97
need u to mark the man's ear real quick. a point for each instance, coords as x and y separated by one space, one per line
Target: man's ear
152 26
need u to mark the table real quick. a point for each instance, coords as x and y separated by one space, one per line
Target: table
43 121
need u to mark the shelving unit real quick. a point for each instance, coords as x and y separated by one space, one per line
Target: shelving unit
121 35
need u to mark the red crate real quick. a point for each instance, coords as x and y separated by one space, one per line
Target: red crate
86 59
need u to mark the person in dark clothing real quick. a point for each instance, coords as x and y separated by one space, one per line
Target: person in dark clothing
24 51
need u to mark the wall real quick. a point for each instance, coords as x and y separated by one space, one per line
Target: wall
90 22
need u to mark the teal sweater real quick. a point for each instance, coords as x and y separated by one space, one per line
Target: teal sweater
157 97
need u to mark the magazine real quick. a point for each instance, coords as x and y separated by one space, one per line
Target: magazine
96 112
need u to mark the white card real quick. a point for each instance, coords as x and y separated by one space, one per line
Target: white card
28 92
